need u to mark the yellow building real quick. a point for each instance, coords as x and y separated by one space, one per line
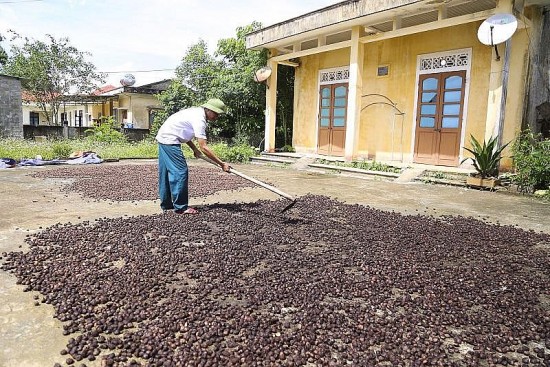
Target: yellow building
402 80
132 107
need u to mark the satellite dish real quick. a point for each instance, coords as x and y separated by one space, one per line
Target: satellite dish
128 80
497 29
261 75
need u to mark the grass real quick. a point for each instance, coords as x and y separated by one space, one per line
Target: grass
19 149
366 165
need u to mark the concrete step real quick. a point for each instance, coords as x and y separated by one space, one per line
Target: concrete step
409 175
267 160
329 167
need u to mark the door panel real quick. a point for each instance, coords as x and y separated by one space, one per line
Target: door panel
425 145
333 101
439 118
324 141
338 142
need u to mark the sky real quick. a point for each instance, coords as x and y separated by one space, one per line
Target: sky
137 36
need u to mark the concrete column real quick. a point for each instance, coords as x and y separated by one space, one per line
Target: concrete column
498 80
270 108
354 94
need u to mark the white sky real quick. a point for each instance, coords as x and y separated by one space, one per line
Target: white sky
135 35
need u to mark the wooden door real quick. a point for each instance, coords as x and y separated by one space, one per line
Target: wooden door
439 118
333 103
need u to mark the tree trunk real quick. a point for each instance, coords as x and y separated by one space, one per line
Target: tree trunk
539 68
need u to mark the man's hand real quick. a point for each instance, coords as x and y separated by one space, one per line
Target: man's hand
226 167
197 153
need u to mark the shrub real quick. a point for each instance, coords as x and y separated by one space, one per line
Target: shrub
61 149
288 148
105 132
238 153
531 155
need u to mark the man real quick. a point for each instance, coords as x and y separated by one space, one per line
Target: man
182 127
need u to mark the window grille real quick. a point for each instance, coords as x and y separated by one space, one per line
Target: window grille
331 76
445 61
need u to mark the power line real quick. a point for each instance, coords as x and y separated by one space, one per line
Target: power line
17 2
135 71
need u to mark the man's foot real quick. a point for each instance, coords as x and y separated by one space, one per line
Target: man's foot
187 211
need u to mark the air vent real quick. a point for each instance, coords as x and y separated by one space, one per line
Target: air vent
383 27
307 45
470 7
338 37
418 19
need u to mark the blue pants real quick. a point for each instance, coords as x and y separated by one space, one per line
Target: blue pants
173 178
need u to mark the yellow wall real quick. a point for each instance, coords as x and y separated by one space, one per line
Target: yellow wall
375 131
306 94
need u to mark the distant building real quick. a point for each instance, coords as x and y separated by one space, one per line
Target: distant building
131 107
11 112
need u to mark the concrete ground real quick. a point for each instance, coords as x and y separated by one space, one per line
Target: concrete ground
30 336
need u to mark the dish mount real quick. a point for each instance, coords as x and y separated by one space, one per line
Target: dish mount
497 29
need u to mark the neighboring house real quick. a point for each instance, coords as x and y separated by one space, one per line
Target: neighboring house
402 80
74 111
11 113
130 106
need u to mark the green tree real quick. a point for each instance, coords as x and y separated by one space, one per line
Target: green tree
235 85
197 71
3 54
175 98
285 106
52 70
229 75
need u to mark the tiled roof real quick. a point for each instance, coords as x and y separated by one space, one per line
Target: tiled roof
104 89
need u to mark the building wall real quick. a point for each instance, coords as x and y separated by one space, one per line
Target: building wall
137 105
71 110
376 136
306 96
11 114
379 134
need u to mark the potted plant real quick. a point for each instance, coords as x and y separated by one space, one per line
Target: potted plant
486 161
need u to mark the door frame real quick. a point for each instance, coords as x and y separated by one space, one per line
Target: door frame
442 62
337 75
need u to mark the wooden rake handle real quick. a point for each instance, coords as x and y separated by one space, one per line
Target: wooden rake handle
253 180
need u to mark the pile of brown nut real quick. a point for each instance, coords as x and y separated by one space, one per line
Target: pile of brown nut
137 181
325 284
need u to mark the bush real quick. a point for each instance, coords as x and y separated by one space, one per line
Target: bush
531 155
288 148
105 132
237 153
61 149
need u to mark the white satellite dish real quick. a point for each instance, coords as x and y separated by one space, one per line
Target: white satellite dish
261 75
128 80
497 29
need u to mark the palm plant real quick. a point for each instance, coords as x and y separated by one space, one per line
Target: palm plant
486 159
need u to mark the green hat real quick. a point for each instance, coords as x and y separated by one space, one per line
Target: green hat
215 105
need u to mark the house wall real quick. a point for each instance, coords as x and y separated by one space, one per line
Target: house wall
71 110
306 96
376 136
11 115
138 112
377 139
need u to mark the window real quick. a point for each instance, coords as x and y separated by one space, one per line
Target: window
34 118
